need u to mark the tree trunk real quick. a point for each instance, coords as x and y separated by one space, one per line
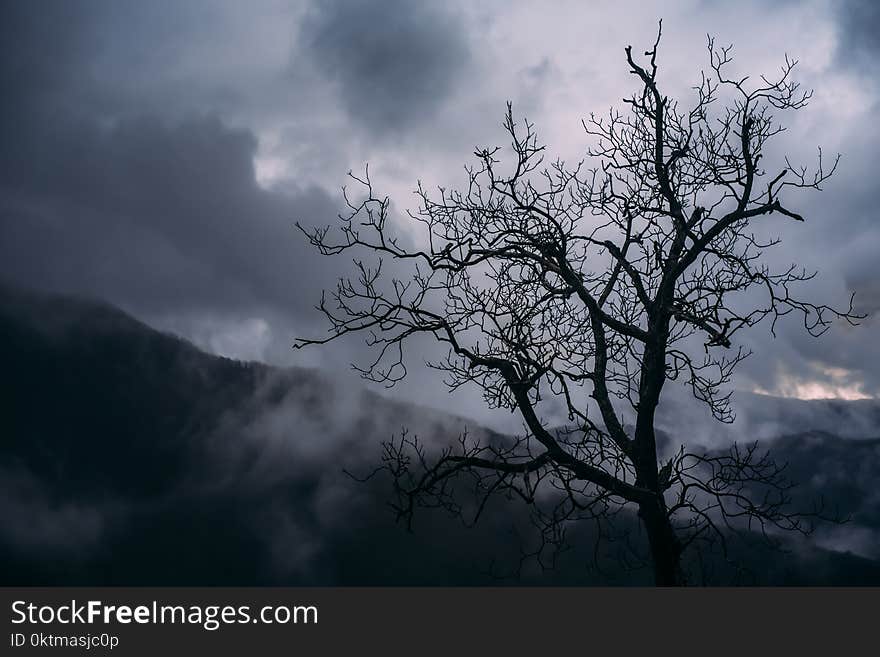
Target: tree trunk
665 546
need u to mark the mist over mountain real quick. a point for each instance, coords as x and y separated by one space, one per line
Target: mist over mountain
128 456
766 418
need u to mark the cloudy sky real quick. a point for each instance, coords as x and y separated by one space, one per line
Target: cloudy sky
157 154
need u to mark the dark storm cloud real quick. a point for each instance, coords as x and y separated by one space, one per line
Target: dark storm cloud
394 62
95 56
30 45
858 32
158 213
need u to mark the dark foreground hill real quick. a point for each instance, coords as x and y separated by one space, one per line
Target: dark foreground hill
128 456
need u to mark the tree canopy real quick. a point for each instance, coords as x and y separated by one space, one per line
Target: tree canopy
593 285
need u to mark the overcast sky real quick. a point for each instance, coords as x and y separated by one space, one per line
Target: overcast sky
156 154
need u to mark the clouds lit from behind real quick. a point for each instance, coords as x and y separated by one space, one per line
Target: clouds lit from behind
157 154
828 383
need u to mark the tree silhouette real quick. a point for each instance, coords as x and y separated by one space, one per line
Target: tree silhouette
593 286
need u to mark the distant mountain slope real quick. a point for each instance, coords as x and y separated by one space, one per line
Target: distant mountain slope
762 417
87 388
128 456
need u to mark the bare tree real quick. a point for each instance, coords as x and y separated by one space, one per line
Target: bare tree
593 287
